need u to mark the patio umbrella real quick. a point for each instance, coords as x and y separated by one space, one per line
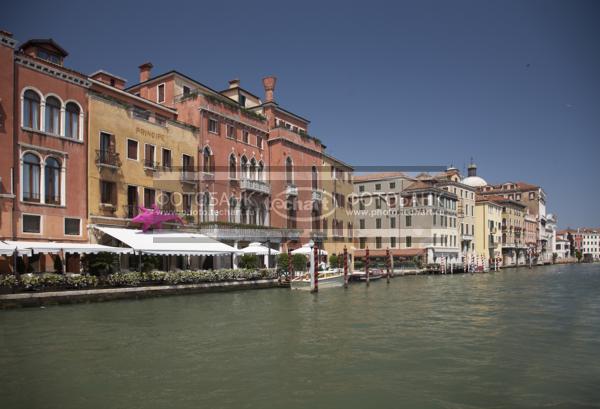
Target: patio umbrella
258 249
306 250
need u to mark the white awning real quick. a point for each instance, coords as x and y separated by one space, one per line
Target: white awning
258 249
6 249
168 242
306 250
53 247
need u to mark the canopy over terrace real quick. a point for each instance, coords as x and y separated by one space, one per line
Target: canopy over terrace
168 243
259 250
52 247
307 250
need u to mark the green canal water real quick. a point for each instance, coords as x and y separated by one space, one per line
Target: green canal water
513 339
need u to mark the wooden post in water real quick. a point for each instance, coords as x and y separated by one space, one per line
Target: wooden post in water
387 264
315 272
345 267
367 265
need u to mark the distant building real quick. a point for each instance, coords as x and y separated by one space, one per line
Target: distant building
488 228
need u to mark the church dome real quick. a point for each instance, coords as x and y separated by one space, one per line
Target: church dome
474 181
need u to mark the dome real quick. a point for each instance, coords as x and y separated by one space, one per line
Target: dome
474 181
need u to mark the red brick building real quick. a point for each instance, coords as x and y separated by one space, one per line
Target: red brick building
47 140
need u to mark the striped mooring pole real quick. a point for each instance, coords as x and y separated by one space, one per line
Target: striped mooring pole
367 266
387 264
345 267
315 275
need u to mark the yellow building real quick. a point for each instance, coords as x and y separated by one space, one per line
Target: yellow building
138 156
488 228
513 232
337 216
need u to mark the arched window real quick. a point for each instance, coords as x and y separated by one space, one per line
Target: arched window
262 215
207 160
31 177
31 110
314 178
243 212
252 169
206 207
52 181
252 214
232 209
72 121
289 171
244 168
291 213
232 167
261 171
52 115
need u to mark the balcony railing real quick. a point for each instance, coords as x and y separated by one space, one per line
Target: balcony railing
108 159
31 197
237 231
255 185
150 164
52 199
188 176
291 190
131 210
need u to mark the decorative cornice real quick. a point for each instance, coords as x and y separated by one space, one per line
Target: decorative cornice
63 75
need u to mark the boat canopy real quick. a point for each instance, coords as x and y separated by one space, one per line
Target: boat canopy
161 242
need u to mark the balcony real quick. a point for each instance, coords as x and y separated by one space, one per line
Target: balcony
317 195
188 177
108 159
131 210
256 186
246 232
150 165
291 190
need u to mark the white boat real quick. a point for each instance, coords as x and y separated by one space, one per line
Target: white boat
327 279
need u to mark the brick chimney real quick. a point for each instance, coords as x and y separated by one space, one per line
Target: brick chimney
269 84
234 83
145 71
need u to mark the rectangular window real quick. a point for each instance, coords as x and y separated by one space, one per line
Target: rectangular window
434 219
149 156
108 193
149 198
72 227
434 239
246 137
187 204
259 141
392 201
392 185
378 242
160 93
393 222
361 188
132 149
186 90
378 203
408 221
230 132
361 223
167 161
408 241
213 126
32 223
378 186
361 204
363 242
132 201
392 242
378 223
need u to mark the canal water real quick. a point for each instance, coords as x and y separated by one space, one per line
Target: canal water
513 339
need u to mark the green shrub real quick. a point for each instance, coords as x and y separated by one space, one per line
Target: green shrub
130 279
283 262
248 261
299 262
100 264
334 260
8 281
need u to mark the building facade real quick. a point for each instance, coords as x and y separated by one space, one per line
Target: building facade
488 228
337 222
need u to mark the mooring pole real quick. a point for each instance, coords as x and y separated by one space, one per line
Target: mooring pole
387 264
315 270
367 266
345 267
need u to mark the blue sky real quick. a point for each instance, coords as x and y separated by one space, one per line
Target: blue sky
514 84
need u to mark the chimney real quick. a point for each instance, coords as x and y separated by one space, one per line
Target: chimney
6 33
269 84
234 83
145 70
